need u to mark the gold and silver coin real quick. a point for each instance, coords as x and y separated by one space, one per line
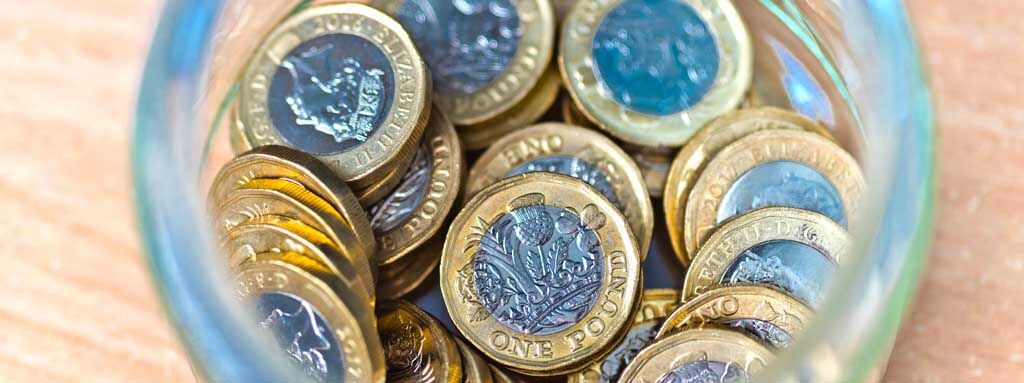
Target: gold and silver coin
576 152
541 273
324 336
793 250
764 313
279 162
401 278
791 168
417 347
699 356
652 72
419 207
654 307
485 56
691 160
343 82
481 135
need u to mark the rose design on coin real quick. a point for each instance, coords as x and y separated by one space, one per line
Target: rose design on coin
782 183
386 215
572 167
466 43
706 371
303 336
538 269
796 268
330 93
657 57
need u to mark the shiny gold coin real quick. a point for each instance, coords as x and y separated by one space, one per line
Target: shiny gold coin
361 124
645 97
764 313
417 347
272 162
691 160
243 205
236 134
483 61
695 354
772 168
572 151
284 294
794 250
570 114
417 209
654 168
474 367
374 193
279 235
541 273
532 108
655 306
407 274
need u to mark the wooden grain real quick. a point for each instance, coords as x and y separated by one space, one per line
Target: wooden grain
79 305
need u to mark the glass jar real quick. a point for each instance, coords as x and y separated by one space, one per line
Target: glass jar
852 64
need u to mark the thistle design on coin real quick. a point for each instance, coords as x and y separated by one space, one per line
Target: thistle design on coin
536 273
396 208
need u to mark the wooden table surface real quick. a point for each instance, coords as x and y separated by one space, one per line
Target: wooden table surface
80 307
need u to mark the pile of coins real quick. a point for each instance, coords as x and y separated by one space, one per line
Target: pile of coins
385 143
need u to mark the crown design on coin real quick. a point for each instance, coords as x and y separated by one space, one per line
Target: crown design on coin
339 98
533 272
307 343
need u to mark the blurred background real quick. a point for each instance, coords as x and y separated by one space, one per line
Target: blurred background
79 305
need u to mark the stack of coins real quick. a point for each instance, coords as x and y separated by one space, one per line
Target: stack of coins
350 128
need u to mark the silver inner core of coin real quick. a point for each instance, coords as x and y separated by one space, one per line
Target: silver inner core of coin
764 331
785 184
466 43
638 337
706 371
538 269
799 270
303 334
572 167
394 210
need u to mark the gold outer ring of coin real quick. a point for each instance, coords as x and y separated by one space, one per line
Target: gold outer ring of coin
281 162
474 367
654 168
364 356
591 97
279 235
571 114
734 237
810 149
689 163
395 138
533 54
572 347
718 345
379 190
444 170
417 347
482 135
500 376
556 139
739 302
655 305
403 277
246 204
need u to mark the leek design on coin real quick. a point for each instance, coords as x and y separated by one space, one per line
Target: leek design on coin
540 273
343 82
652 72
320 333
655 306
692 159
576 152
484 55
707 355
795 169
418 208
764 313
793 250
